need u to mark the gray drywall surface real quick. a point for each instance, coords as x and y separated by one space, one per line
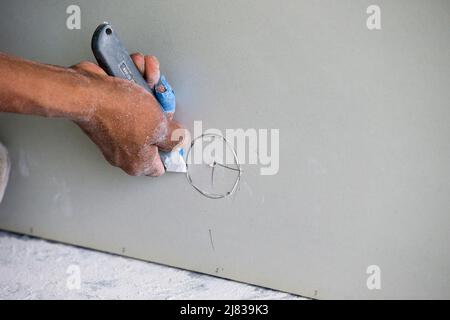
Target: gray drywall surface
31 268
364 153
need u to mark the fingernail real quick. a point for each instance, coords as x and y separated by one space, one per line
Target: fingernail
165 95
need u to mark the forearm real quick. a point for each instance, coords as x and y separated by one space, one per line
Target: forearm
37 89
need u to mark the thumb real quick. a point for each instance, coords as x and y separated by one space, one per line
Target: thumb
175 136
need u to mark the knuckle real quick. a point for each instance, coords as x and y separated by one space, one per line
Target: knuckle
154 171
85 64
154 59
133 169
137 54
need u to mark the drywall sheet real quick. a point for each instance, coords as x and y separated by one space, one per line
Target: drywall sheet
364 158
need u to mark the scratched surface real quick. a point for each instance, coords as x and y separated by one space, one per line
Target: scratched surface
364 154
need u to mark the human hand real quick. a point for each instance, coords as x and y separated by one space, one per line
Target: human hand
125 121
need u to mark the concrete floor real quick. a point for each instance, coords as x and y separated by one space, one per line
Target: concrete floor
31 268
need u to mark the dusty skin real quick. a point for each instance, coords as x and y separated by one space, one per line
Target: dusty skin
122 119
